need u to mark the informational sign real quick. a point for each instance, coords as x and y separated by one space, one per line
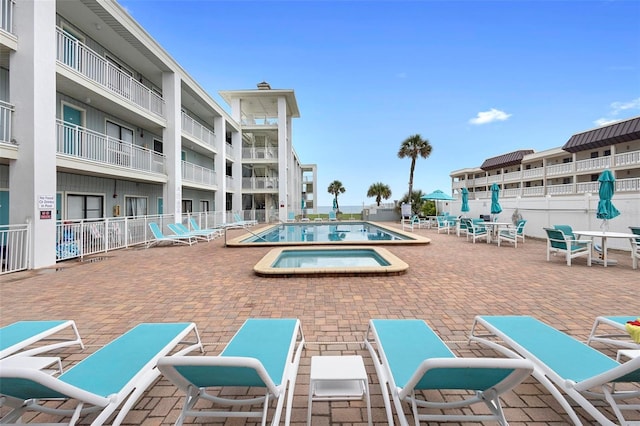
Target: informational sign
46 202
45 214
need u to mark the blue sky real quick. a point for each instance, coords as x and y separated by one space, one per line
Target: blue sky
476 78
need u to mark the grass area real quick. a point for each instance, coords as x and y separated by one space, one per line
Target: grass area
340 216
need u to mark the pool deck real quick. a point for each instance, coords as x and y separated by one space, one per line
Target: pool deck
448 282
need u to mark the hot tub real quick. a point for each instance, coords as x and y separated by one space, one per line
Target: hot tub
308 261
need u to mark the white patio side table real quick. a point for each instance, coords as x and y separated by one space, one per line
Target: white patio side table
338 378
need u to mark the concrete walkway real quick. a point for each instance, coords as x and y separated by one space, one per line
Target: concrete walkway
448 282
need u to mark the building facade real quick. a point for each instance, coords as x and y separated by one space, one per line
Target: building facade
98 121
560 185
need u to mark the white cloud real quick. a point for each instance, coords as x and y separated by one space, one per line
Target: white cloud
485 117
617 108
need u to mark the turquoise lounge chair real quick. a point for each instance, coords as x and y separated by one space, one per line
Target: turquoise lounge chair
576 369
264 354
410 358
559 242
113 377
242 222
217 232
620 337
19 335
159 237
182 231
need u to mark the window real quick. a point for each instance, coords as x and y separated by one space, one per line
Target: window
606 153
81 206
135 206
119 139
204 206
157 146
594 154
187 206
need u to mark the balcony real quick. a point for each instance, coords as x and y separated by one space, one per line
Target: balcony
6 15
78 142
627 159
6 112
560 169
259 120
260 183
259 154
512 176
563 189
531 174
198 174
229 151
202 134
533 191
75 55
593 164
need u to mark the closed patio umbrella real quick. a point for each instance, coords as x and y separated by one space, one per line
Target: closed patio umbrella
606 209
436 196
465 200
495 194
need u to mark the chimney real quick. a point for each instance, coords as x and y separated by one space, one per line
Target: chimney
264 86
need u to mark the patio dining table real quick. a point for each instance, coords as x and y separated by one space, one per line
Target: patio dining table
604 235
495 229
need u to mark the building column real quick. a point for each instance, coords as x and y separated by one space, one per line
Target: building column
219 124
284 151
32 177
172 143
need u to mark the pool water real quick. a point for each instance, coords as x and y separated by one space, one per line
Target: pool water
310 232
329 259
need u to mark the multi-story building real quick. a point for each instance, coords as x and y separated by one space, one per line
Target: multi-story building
561 184
98 121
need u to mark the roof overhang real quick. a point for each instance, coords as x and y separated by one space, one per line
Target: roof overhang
621 131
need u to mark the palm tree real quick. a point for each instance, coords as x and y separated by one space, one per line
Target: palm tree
417 203
380 191
336 188
414 147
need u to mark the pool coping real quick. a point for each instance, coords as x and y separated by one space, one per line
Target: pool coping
396 265
415 239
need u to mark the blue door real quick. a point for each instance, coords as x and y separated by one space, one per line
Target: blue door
4 207
72 118
160 205
58 206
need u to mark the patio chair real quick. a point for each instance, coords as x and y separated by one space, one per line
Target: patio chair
291 217
635 246
22 334
558 242
567 230
620 337
264 354
245 222
564 364
410 358
463 226
443 224
159 237
115 376
182 231
216 232
512 235
477 230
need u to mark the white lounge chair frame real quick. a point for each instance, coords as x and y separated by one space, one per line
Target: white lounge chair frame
81 382
22 334
477 231
196 374
159 237
620 337
442 371
216 232
561 348
512 235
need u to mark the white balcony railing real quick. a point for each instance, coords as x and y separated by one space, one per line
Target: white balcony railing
480 181
229 151
6 111
628 185
563 189
533 173
266 183
229 182
77 56
76 141
494 179
593 164
6 15
627 159
533 191
198 174
197 130
259 120
559 169
512 176
259 153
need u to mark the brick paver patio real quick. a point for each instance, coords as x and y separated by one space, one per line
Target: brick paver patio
448 282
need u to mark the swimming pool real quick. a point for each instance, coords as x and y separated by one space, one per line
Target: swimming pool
342 233
329 261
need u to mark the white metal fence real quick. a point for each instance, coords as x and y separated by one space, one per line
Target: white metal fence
6 110
14 248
